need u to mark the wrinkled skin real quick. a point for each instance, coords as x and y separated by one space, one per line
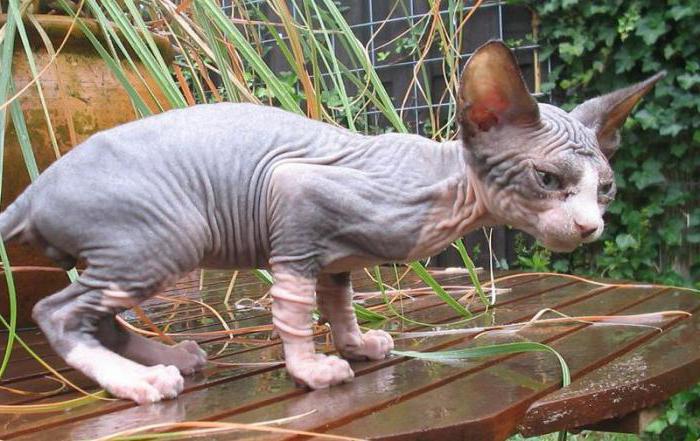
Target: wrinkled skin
245 186
563 209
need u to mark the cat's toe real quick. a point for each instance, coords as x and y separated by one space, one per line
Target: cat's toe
373 345
144 384
377 344
320 371
194 359
166 379
142 392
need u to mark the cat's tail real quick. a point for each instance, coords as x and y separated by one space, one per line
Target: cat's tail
14 221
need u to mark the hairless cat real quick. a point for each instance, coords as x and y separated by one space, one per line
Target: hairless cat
247 186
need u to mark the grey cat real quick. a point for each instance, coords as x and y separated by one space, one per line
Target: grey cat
246 186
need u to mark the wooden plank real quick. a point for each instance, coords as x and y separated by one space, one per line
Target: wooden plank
487 405
25 367
221 380
237 396
666 364
411 387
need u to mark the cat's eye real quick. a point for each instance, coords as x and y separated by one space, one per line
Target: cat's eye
605 188
549 181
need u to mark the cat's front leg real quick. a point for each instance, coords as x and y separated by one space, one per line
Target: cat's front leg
334 298
292 303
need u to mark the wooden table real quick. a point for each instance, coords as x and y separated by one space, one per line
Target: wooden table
616 370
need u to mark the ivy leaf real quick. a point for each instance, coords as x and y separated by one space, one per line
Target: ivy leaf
696 136
678 150
561 266
656 427
694 220
626 241
651 27
624 61
680 12
687 81
569 51
646 119
670 129
672 231
650 174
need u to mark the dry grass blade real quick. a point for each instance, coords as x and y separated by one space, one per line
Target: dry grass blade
145 319
312 102
61 387
184 86
211 427
204 334
642 320
59 406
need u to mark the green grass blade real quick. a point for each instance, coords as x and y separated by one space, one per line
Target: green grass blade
490 351
141 41
360 54
22 133
469 264
382 289
18 120
263 275
250 55
5 81
112 37
334 69
190 30
35 73
425 276
114 67
218 51
12 297
363 313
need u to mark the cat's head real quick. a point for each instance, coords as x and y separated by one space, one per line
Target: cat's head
539 168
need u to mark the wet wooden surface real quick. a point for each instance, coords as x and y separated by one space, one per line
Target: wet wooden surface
616 370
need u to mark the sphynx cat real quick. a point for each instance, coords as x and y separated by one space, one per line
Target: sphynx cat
247 186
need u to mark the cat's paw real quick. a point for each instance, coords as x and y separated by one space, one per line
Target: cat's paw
373 345
145 384
193 357
320 371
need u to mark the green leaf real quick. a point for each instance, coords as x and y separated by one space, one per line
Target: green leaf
490 351
657 426
462 250
425 276
5 82
626 241
263 275
651 27
650 174
367 314
672 231
687 81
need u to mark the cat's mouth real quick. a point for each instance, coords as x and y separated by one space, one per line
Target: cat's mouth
552 242
559 246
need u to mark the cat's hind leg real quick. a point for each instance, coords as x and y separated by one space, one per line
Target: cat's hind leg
186 355
334 299
71 319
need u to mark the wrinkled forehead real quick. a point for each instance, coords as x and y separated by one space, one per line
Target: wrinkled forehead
566 140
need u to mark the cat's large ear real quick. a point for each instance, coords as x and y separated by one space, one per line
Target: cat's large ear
492 91
606 114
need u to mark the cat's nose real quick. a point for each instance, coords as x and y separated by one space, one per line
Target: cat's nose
586 229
